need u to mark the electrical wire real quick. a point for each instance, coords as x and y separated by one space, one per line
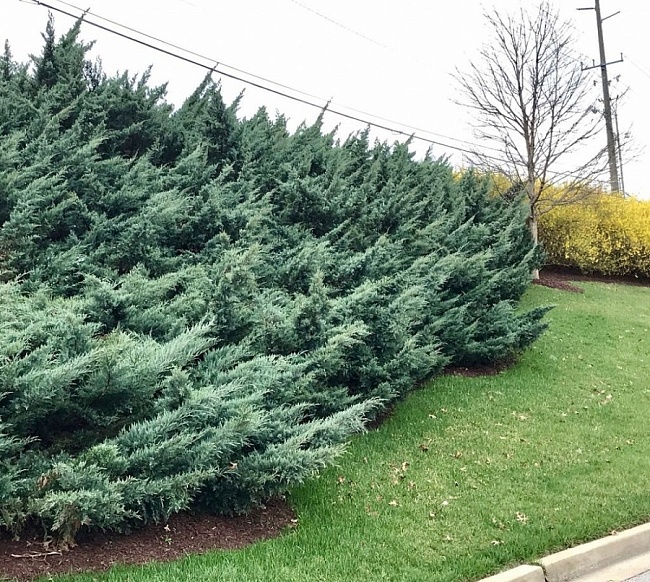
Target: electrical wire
266 80
215 68
177 47
336 23
638 66
402 54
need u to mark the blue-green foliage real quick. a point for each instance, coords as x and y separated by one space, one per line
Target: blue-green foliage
199 310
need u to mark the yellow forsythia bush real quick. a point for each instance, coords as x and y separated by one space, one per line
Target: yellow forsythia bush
606 233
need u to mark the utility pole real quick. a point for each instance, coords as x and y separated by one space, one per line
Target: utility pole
618 144
609 126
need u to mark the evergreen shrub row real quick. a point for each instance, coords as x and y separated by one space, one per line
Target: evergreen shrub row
605 233
198 310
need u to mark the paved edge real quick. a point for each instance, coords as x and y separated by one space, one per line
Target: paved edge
519 574
587 558
581 560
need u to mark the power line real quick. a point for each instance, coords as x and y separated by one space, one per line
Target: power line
267 80
169 44
402 54
639 67
215 68
336 23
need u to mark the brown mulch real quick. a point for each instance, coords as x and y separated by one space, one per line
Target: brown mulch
183 534
563 277
478 370
546 280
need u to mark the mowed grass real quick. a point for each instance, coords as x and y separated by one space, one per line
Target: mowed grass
473 475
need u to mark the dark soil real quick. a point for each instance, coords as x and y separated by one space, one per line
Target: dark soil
554 281
560 278
183 534
491 369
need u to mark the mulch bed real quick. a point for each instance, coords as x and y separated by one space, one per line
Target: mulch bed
561 278
183 534
194 534
557 282
478 370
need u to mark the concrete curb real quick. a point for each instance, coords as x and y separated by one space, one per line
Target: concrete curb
520 574
582 560
588 558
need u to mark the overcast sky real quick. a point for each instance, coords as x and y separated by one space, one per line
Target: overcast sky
392 59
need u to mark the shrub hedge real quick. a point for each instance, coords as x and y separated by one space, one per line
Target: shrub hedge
199 310
605 233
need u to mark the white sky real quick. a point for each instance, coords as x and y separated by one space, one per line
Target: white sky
387 58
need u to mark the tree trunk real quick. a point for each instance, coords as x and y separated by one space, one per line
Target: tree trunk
532 225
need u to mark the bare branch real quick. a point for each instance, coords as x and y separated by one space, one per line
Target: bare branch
533 102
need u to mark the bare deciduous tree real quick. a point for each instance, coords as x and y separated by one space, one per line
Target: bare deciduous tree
534 106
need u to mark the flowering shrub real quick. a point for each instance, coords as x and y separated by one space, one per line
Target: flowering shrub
605 233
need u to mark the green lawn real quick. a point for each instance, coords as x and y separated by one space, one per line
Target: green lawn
471 476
